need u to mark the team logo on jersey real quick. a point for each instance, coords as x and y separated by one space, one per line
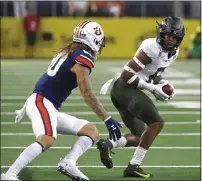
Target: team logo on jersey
97 31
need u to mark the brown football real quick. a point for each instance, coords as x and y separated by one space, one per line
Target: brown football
167 89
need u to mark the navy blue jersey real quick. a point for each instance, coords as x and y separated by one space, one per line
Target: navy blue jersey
58 82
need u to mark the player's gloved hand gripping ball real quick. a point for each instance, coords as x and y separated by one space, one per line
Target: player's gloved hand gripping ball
164 91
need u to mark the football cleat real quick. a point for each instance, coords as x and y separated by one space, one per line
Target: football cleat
68 168
135 171
5 176
105 147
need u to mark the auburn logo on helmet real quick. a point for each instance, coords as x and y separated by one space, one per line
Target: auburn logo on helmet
97 31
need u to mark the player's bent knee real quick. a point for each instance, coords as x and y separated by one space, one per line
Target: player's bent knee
161 124
89 130
158 125
95 131
46 141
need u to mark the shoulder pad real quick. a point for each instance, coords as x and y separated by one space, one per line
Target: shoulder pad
84 58
150 47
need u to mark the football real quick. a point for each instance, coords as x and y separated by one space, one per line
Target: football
167 89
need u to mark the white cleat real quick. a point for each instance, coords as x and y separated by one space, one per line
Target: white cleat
5 176
68 167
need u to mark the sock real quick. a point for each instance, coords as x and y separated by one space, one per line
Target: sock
119 143
79 147
138 156
29 154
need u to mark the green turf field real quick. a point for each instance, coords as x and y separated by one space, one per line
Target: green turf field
175 154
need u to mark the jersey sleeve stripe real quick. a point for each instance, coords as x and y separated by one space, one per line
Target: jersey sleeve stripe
84 61
78 62
87 58
79 27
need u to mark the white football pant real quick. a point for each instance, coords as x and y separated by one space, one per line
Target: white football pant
47 120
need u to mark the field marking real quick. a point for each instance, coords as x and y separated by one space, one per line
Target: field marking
104 134
172 72
7 92
4 104
179 83
106 97
116 113
127 148
188 104
69 98
115 166
102 123
177 92
185 104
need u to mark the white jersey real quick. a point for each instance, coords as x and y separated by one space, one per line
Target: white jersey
160 59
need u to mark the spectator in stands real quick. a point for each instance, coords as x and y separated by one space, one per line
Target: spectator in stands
194 50
19 8
32 5
117 8
97 8
31 27
77 7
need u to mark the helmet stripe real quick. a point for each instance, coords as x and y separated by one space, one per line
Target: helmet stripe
84 26
80 27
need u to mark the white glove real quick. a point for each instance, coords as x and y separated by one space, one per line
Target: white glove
167 82
158 92
155 89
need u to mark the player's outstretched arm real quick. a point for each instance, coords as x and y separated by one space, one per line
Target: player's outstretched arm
84 83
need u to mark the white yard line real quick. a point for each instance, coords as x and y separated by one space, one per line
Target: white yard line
116 113
25 97
126 148
115 166
106 97
11 104
102 123
176 104
104 134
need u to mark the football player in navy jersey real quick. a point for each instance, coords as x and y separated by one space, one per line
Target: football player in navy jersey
71 67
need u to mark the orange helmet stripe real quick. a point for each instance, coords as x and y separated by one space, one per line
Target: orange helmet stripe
80 27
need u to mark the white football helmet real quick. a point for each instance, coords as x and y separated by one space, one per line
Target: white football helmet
91 34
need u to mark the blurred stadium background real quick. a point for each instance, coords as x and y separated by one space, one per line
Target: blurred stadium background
175 155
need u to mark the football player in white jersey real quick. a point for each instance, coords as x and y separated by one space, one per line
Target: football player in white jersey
137 110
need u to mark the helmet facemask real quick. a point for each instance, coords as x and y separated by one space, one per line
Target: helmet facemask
101 44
